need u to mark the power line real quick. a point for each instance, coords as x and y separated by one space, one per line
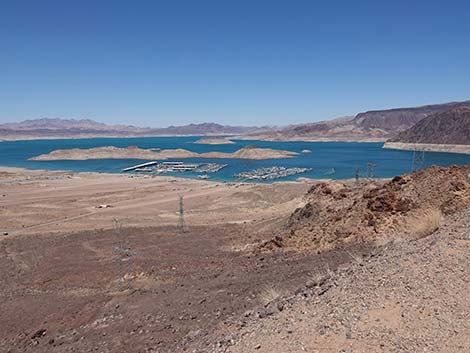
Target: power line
418 160
370 170
181 224
357 175
124 253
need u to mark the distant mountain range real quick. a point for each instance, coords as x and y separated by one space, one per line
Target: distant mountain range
450 127
48 128
377 125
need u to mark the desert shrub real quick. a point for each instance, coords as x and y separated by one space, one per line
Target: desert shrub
424 223
270 293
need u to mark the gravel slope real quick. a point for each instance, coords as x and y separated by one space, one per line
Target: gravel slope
406 297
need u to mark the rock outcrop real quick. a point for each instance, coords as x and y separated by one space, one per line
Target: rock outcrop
408 206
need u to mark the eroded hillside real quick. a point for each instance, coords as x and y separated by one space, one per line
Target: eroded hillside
408 206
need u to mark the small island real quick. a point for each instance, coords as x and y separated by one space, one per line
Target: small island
132 152
214 141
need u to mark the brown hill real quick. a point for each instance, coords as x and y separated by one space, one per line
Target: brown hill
377 125
50 128
338 213
448 127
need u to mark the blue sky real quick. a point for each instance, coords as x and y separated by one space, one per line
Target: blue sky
256 62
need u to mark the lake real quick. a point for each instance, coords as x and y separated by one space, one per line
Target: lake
343 157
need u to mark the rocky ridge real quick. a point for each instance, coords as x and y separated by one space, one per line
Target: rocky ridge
375 125
409 206
451 127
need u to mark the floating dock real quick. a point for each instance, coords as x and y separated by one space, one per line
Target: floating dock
270 173
165 167
143 165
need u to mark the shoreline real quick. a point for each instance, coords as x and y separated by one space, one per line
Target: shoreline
317 139
92 136
160 178
232 136
427 147
171 178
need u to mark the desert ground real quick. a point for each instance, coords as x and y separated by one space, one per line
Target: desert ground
98 263
35 202
402 297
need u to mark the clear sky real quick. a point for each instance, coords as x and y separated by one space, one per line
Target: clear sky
244 62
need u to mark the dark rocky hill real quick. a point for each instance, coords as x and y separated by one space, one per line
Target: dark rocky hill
402 118
448 127
343 212
377 125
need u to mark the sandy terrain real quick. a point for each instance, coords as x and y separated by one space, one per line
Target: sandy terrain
37 201
214 141
111 152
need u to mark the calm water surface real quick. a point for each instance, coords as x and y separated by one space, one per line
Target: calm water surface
344 157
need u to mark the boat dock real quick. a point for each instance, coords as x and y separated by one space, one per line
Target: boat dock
270 173
143 165
176 166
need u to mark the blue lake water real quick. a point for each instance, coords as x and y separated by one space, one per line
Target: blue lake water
344 157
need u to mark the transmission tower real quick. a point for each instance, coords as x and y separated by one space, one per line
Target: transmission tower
181 226
123 252
125 255
418 160
371 170
357 175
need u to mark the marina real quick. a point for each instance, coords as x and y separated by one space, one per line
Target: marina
176 166
270 173
139 166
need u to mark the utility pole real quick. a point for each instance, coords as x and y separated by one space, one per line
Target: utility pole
357 175
371 170
124 253
418 160
181 226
